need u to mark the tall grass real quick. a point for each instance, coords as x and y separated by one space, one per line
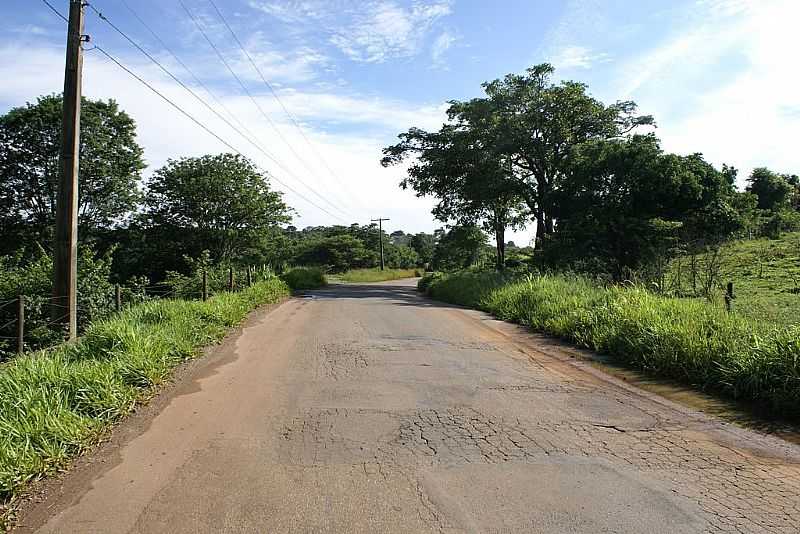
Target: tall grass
305 278
376 275
54 404
688 340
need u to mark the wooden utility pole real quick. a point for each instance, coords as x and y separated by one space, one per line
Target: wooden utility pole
66 245
380 236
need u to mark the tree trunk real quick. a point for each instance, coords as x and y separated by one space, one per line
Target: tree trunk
500 237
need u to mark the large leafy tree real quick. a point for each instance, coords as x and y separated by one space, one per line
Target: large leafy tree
625 203
537 124
221 203
772 190
110 167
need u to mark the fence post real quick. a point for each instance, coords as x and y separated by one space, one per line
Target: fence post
729 296
118 297
230 278
249 276
20 324
205 285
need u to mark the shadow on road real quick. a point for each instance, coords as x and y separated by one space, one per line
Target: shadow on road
397 294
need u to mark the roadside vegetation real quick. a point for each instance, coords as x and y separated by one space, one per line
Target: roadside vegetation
692 341
300 278
56 403
376 275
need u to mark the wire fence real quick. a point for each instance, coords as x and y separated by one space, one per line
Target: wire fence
30 323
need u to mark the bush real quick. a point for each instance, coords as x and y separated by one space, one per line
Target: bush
54 404
305 278
33 278
689 340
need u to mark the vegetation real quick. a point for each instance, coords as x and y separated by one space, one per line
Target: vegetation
376 275
688 340
300 278
765 273
55 404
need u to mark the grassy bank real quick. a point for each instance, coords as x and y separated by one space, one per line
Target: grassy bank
765 273
54 404
688 340
300 278
376 275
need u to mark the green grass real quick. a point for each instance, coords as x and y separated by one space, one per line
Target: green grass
765 274
300 278
376 275
55 404
689 340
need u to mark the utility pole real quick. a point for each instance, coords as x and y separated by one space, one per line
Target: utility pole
380 235
66 245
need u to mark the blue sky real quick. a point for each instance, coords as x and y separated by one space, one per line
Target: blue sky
720 76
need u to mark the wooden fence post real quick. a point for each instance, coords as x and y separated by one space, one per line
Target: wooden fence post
20 324
230 278
205 285
249 276
729 297
118 297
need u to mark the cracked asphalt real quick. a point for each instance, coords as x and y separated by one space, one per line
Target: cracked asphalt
370 409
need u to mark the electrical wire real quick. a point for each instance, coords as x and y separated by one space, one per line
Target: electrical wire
192 118
257 105
196 96
204 127
286 111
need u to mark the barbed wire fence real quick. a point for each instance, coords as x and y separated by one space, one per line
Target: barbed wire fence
31 322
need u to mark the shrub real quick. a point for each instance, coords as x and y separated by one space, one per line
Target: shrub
300 278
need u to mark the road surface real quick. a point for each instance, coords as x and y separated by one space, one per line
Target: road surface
370 409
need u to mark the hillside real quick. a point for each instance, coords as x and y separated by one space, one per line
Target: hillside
765 274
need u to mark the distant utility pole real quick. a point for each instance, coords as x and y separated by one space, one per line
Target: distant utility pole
66 245
380 235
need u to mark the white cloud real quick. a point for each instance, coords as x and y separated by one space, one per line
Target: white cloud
164 133
441 45
724 86
577 57
370 32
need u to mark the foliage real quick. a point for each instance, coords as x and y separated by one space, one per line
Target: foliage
765 273
688 340
32 276
110 166
459 248
424 245
221 203
300 278
55 404
772 190
376 275
625 204
336 253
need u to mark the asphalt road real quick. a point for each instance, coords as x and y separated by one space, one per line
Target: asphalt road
370 409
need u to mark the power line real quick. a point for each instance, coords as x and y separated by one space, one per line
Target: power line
255 102
277 97
204 127
181 110
56 11
191 73
183 85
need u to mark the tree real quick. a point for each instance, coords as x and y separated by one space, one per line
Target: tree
461 167
459 248
424 245
625 204
110 167
538 124
221 203
773 190
337 253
